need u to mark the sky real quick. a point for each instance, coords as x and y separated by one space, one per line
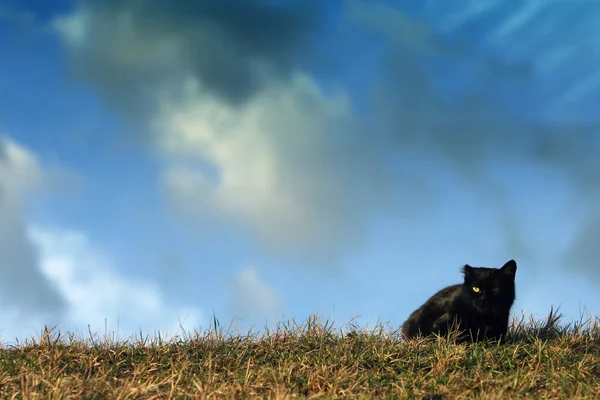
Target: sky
163 163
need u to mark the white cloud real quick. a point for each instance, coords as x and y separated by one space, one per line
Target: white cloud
56 277
252 297
521 17
286 163
20 173
96 294
73 27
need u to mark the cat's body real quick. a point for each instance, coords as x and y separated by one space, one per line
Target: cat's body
479 307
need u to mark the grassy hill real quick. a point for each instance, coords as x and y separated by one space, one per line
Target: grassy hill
542 359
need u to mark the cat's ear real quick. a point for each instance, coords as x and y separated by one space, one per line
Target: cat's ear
510 267
467 270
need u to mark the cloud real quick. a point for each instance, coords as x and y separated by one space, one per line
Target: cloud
247 134
475 124
24 288
584 254
128 48
98 297
252 297
286 166
273 152
56 277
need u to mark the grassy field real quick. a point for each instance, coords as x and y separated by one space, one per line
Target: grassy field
543 359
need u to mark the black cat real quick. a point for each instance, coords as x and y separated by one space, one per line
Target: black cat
479 307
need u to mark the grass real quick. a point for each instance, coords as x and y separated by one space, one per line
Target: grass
542 359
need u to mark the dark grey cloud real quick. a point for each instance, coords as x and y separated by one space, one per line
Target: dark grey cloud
23 286
233 47
473 130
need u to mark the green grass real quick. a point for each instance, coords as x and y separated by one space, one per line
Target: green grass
542 359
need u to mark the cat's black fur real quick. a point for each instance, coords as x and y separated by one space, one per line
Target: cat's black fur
478 315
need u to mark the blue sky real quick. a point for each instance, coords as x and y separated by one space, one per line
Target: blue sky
261 160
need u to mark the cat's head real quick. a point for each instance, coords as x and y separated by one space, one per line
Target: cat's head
490 287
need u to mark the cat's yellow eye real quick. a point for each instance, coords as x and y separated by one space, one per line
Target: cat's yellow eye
476 289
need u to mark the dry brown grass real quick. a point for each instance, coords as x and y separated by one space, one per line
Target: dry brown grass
541 360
